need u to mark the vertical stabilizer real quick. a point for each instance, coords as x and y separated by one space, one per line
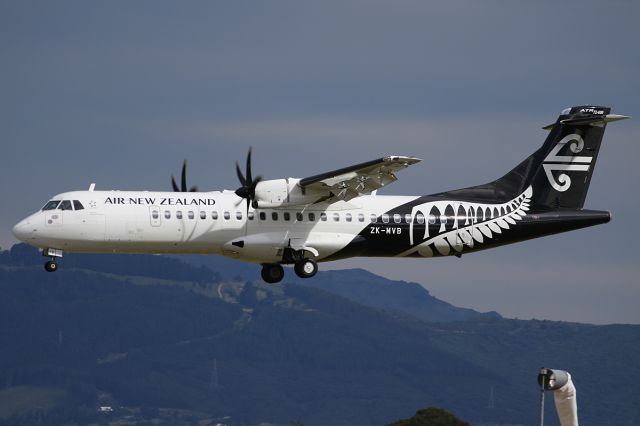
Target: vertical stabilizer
568 158
560 171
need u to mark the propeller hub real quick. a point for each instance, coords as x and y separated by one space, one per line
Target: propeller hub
248 188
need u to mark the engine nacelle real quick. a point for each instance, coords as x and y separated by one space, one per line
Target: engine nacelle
283 193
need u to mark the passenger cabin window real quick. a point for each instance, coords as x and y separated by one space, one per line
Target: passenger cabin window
214 215
407 218
420 218
263 216
312 217
51 205
323 216
373 218
203 214
348 217
65 205
77 205
432 219
336 217
167 214
287 216
179 214
299 217
155 214
397 218
274 215
239 215
251 215
190 214
360 217
226 215
385 218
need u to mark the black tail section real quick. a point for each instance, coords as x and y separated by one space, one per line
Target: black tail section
560 171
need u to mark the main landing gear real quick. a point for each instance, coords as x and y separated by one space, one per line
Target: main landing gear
306 268
51 265
273 273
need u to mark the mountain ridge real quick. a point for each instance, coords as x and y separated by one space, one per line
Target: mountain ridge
196 345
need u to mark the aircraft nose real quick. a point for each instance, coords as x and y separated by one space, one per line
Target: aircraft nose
20 230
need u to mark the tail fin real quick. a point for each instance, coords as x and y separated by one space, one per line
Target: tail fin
560 171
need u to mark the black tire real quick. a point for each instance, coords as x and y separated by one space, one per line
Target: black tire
306 268
51 266
272 273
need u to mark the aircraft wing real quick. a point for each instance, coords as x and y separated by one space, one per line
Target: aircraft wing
359 179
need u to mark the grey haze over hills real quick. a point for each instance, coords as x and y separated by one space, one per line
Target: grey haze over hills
165 341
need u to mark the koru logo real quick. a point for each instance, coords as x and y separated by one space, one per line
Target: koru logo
566 162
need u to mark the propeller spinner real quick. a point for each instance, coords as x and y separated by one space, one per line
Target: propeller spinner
248 188
183 187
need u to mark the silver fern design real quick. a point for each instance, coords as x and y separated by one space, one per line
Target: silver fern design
471 223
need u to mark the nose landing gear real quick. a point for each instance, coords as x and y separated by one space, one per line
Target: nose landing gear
52 265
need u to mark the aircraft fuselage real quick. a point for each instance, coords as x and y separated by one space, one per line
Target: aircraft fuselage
218 223
336 214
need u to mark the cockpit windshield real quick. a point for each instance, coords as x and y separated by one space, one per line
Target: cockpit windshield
51 205
65 205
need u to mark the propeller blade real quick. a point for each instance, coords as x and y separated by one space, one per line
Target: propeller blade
254 184
174 185
249 180
243 182
242 192
249 184
184 176
183 183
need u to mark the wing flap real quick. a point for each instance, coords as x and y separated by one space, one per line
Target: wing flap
349 182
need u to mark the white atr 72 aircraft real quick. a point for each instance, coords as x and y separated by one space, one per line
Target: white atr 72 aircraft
337 214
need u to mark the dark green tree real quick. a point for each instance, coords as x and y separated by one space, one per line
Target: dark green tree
431 416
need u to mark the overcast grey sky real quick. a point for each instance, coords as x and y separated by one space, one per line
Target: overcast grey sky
118 93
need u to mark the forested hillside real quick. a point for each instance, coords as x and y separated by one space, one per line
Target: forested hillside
160 340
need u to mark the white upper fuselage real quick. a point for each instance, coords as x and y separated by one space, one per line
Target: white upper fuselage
198 222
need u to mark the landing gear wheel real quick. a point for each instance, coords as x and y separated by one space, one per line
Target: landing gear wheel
51 266
272 273
306 268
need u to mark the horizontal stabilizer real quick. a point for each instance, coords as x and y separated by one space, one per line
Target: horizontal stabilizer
581 121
